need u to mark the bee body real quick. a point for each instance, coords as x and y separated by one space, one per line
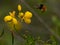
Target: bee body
42 7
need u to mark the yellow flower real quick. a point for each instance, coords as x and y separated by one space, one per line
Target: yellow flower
7 18
28 14
14 21
21 15
28 21
12 14
10 19
19 7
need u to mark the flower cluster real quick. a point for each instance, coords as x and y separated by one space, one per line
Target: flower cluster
11 18
25 17
12 22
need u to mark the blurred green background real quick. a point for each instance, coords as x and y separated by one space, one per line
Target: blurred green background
36 28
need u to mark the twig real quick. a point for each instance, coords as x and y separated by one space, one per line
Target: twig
40 19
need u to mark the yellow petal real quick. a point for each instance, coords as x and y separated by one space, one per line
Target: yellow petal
27 21
19 7
7 18
28 14
12 14
14 21
21 14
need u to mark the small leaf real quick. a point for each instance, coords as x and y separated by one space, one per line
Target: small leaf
54 19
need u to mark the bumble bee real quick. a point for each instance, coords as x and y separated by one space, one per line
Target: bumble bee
42 7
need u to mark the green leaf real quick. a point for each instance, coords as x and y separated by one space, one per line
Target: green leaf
30 40
55 20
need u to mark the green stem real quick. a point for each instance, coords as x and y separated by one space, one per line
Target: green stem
12 37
